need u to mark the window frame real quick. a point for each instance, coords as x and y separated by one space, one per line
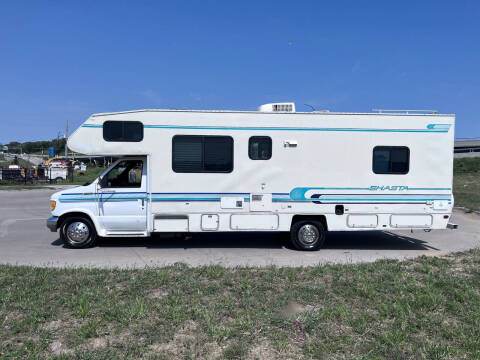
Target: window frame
105 176
251 138
203 171
123 139
388 147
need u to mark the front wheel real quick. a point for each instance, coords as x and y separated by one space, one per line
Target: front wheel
307 235
78 232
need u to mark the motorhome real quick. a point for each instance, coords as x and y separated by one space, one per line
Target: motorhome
274 169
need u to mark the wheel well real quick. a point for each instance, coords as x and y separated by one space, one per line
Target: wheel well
62 218
321 218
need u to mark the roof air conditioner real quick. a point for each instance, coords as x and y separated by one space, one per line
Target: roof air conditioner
277 107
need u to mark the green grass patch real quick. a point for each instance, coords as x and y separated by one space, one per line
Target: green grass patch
425 308
466 190
466 182
466 165
81 178
91 174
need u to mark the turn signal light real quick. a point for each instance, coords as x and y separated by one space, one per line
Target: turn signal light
53 204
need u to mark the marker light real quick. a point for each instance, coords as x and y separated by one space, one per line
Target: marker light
52 205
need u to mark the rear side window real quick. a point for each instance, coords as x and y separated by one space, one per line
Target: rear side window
260 148
202 154
391 160
123 131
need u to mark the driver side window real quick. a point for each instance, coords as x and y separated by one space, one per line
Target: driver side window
126 174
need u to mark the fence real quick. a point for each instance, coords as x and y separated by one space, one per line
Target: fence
36 175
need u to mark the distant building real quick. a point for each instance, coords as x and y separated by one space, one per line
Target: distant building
466 148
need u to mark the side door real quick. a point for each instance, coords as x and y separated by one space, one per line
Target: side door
260 149
122 197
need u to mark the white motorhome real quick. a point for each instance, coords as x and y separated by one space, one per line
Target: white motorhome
269 170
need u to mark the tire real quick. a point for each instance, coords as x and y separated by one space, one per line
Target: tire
307 235
58 180
78 232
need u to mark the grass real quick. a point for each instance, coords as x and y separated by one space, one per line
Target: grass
466 165
466 183
466 190
91 174
79 179
420 309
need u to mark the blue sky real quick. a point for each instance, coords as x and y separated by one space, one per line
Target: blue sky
68 59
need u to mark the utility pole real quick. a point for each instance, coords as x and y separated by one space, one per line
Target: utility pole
66 137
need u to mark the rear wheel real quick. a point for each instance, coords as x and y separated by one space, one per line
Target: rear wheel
78 232
307 235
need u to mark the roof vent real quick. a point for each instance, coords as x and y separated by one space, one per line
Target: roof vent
277 107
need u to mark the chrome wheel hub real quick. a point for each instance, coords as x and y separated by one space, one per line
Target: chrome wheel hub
78 232
308 234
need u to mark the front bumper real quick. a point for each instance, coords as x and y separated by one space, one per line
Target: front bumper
52 223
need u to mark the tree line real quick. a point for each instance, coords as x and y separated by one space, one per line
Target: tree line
36 147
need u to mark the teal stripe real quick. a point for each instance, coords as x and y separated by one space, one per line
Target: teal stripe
429 188
187 199
370 189
102 199
192 199
377 199
242 128
294 129
275 199
439 126
341 188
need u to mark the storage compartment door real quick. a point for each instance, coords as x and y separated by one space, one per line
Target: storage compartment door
210 222
254 222
170 223
411 221
362 221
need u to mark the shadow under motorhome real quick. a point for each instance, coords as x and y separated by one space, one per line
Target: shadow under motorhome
269 170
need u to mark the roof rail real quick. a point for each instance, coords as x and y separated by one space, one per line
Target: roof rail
388 111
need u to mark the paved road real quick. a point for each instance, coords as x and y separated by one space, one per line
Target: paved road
25 240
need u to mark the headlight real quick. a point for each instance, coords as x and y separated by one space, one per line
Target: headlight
53 203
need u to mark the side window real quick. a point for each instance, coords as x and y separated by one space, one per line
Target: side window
260 147
202 154
123 131
391 160
126 174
